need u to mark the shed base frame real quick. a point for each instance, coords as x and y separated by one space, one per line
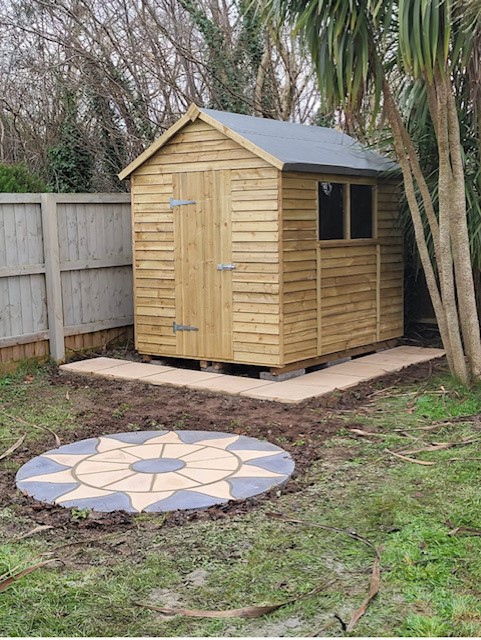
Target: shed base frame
337 355
220 366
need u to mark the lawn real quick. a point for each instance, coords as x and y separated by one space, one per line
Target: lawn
424 519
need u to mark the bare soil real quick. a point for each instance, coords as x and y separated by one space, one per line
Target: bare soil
103 406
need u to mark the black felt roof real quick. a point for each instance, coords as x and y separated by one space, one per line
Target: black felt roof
305 147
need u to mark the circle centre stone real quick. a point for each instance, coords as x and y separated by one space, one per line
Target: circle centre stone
158 465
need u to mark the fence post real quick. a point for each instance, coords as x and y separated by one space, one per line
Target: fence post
52 277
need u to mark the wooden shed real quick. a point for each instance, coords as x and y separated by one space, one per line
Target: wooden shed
264 243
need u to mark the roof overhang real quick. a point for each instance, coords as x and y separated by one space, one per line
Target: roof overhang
335 170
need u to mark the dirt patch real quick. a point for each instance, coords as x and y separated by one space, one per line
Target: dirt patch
103 406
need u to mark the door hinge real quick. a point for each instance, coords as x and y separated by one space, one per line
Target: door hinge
178 203
183 327
225 267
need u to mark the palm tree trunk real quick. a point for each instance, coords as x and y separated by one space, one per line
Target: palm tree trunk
460 241
444 301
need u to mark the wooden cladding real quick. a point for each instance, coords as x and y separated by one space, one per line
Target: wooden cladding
344 293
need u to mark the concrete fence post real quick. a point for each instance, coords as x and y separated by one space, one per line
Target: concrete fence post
52 277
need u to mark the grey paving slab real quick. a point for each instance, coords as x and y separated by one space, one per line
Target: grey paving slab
155 471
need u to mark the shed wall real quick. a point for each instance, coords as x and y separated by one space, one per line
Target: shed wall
338 295
255 243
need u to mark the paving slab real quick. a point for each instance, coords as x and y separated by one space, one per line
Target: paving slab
93 364
155 471
289 391
179 377
133 371
229 384
338 376
326 378
358 368
404 356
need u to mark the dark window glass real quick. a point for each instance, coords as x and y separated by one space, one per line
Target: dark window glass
361 211
331 211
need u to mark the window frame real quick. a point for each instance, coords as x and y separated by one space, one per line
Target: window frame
346 183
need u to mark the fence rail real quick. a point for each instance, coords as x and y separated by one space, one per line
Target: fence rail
65 267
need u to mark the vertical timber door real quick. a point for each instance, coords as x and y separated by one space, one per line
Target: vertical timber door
203 255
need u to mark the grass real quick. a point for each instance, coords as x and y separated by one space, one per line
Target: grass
430 584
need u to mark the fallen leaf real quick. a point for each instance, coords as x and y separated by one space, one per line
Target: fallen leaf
42 527
7 582
471 531
12 448
373 591
398 455
67 395
244 612
35 426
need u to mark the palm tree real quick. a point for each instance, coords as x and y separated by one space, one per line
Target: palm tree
376 48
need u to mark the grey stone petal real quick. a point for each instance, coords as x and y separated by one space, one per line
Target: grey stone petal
37 466
46 491
280 463
249 487
185 500
191 437
136 437
82 446
253 444
114 502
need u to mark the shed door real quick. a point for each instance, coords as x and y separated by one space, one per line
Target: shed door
203 290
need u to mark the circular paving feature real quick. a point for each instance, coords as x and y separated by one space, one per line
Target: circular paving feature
155 471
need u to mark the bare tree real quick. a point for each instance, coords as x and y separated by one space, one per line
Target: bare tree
134 66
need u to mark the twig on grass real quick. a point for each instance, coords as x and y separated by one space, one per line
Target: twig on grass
35 426
367 434
351 534
11 449
399 455
442 446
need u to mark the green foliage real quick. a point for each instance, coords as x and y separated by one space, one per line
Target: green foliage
16 178
70 161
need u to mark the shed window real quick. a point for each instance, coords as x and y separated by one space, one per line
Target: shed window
345 211
331 211
361 211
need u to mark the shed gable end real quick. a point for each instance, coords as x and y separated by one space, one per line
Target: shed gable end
198 146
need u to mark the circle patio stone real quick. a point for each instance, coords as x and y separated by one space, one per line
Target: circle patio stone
155 471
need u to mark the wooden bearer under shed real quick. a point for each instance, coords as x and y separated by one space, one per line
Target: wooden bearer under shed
264 243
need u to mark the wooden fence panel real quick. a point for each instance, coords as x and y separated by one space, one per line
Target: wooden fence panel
65 268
